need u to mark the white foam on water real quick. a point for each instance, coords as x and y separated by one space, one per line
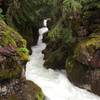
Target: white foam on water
54 84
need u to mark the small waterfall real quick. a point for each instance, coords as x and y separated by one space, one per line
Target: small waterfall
54 84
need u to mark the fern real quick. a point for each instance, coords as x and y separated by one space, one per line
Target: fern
71 6
58 32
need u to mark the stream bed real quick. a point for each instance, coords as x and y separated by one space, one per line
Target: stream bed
54 84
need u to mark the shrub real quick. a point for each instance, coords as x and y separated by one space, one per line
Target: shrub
24 50
58 32
1 15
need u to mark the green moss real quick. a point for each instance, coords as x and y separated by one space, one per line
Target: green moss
40 96
10 36
74 69
10 73
92 42
24 50
24 56
23 53
12 69
32 91
6 39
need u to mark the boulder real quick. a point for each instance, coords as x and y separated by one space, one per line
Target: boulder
55 55
13 57
20 90
88 51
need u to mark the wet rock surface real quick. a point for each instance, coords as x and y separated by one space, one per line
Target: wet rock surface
20 89
55 57
13 57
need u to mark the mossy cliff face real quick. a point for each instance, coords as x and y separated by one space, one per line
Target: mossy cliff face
10 43
79 35
56 56
13 57
73 39
88 53
76 72
81 20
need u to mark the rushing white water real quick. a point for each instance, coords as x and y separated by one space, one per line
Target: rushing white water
54 84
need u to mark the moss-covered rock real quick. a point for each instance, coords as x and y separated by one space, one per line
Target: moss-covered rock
13 57
86 50
55 55
10 42
76 72
23 90
10 36
33 92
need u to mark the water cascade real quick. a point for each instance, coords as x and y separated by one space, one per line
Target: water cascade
54 84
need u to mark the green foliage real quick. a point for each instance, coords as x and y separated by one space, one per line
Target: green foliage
23 53
28 11
24 50
32 11
7 39
1 15
40 95
71 6
9 74
10 36
89 4
67 35
58 32
26 14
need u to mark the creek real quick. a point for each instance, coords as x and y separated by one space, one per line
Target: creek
54 83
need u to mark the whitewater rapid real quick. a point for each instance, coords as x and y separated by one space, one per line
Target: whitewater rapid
54 84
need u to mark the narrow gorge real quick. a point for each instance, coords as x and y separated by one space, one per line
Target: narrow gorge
54 83
50 50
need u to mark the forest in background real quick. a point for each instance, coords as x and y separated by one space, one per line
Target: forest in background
73 40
